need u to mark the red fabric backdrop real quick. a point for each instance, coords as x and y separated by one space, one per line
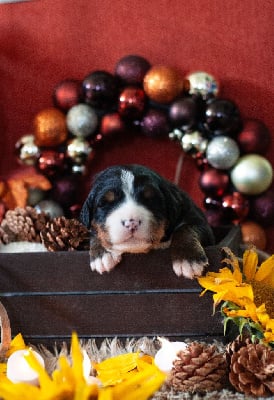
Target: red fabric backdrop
46 41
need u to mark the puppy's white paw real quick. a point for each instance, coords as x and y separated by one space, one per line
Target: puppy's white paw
188 269
105 263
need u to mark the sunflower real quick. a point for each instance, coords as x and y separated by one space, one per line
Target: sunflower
247 293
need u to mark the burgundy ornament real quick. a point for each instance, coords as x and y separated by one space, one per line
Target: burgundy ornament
67 94
100 89
155 123
214 217
235 207
262 208
111 124
222 117
184 113
214 182
65 190
50 162
254 137
131 69
132 102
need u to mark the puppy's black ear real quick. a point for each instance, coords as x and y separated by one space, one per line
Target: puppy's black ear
85 214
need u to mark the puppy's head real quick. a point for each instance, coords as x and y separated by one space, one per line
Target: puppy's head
130 208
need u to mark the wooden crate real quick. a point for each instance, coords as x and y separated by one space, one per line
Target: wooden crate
49 295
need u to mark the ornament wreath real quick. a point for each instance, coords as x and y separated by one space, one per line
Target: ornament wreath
155 101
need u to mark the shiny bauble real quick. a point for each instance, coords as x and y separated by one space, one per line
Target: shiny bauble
214 217
50 127
155 123
252 174
235 207
214 182
50 162
194 142
222 152
222 117
65 191
100 89
50 207
200 83
163 84
131 102
35 195
254 137
82 120
27 151
78 151
253 234
262 208
184 113
212 203
111 124
67 94
131 69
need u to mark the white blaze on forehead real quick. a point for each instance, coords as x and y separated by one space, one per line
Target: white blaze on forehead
127 179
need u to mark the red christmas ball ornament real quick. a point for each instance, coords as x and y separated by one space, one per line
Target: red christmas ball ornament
262 208
214 182
235 207
50 127
67 94
155 123
131 69
111 124
131 102
254 137
253 234
163 84
50 162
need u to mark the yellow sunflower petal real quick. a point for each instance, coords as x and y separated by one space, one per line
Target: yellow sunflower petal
250 262
265 272
17 343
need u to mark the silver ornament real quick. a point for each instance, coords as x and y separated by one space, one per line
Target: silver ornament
222 152
194 142
81 120
78 150
28 152
176 134
252 174
201 83
50 207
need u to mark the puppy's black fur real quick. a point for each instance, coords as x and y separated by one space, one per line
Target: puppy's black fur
176 220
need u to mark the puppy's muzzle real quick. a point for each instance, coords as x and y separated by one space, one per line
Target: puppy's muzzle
131 224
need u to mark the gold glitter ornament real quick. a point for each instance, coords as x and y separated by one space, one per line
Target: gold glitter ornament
50 128
163 84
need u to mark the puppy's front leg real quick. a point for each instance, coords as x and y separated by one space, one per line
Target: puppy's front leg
187 254
102 260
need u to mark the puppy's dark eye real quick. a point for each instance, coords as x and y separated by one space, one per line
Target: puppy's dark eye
148 192
108 198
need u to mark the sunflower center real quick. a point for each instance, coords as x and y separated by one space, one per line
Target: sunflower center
264 294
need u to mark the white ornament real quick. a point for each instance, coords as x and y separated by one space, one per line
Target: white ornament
168 353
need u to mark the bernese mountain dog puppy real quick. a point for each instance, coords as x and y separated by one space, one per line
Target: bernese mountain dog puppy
132 209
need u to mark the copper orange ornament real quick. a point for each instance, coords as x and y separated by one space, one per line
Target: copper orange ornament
253 234
163 84
50 127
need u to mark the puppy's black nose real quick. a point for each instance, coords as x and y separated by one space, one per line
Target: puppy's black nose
131 224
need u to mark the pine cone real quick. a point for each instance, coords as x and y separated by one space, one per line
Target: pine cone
22 224
252 370
62 234
236 344
200 368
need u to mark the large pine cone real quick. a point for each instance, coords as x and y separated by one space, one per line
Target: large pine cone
236 344
22 224
200 368
62 234
252 370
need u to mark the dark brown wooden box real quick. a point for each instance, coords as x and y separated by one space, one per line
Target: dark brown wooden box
49 295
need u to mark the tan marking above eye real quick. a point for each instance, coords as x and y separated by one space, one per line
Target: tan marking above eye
109 196
148 192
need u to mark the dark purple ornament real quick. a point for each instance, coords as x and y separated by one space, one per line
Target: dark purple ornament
155 123
131 69
132 102
262 208
214 217
214 182
65 190
222 117
184 113
254 137
67 94
100 89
